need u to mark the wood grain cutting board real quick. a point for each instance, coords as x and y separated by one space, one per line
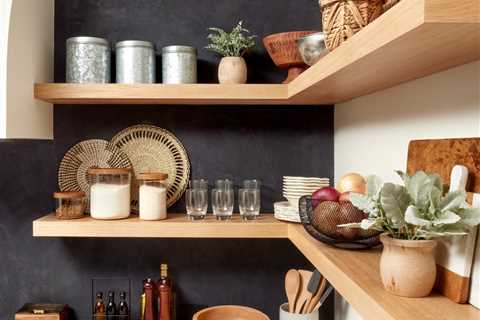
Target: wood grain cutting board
455 254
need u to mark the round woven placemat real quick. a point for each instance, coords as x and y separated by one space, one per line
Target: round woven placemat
73 169
153 149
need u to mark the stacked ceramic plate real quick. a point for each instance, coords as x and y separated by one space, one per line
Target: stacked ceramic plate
296 187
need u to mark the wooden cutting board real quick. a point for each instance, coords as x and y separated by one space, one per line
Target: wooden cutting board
454 255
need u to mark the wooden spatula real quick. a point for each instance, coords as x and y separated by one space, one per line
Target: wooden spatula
316 298
303 294
312 288
292 286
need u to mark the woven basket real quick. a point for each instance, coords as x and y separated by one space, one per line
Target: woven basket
389 3
343 18
153 149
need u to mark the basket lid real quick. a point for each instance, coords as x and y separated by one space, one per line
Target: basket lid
95 171
150 176
69 194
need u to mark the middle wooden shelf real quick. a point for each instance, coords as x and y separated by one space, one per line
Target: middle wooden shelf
175 226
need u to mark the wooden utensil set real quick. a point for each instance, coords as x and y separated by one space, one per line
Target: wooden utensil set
304 290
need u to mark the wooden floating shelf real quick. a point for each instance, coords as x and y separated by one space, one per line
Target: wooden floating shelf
354 274
414 39
176 226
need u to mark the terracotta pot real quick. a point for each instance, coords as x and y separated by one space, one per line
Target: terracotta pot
283 49
407 267
232 70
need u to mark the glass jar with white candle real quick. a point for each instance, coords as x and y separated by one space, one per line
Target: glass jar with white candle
109 193
152 195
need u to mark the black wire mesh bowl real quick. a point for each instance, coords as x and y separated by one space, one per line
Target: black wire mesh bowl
321 222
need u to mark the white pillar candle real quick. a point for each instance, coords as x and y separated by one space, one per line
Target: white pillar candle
153 202
109 201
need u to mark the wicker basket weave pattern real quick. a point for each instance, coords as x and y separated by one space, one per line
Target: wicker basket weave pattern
73 169
343 18
153 149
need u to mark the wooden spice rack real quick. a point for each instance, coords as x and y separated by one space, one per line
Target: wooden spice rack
354 274
414 39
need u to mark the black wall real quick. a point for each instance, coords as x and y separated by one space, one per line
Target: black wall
237 142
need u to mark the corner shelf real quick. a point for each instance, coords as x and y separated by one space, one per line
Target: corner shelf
413 39
354 274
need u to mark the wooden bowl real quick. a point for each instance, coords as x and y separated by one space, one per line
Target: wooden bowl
230 313
283 49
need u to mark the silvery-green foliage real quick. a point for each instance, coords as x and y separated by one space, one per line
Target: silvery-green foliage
233 44
416 210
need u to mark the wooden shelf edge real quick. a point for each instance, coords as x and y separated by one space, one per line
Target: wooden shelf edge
176 226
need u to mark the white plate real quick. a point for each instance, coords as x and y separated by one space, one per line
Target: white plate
302 189
305 183
305 179
296 194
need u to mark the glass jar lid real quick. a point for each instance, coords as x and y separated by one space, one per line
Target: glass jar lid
152 176
69 194
111 171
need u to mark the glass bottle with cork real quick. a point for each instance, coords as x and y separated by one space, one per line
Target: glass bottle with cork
165 294
123 312
111 307
99 312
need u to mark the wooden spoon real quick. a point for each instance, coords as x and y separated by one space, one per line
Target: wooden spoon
316 298
292 285
303 294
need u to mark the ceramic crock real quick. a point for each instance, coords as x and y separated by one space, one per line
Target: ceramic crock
232 70
407 267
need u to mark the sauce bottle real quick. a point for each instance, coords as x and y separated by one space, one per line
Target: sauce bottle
99 312
164 285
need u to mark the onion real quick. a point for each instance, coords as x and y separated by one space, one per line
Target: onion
325 194
352 182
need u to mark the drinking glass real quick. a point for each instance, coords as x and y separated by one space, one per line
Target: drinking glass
197 203
199 184
249 203
224 184
252 184
222 203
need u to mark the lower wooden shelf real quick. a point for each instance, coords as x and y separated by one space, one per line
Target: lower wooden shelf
354 274
176 226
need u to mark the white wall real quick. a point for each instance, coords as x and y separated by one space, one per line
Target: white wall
372 132
29 59
5 7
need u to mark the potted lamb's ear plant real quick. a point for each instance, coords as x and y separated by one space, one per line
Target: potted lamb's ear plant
231 46
412 216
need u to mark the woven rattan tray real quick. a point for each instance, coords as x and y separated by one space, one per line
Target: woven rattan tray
73 169
153 149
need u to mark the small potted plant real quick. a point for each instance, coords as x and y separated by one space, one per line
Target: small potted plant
231 46
412 216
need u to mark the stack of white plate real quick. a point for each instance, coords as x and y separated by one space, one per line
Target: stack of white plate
296 187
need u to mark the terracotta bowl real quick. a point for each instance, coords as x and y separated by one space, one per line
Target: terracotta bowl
230 313
283 49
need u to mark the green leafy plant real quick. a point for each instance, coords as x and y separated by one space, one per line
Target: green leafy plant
233 44
416 210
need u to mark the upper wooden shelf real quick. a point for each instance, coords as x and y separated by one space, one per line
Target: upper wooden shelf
354 274
414 39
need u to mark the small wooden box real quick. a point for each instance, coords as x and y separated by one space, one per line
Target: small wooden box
50 312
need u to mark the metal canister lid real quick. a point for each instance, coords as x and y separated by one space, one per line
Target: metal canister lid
133 43
88 40
175 49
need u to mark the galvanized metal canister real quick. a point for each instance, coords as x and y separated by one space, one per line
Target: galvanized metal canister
88 60
179 64
135 62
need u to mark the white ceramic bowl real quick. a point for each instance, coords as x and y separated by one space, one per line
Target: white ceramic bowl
293 200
